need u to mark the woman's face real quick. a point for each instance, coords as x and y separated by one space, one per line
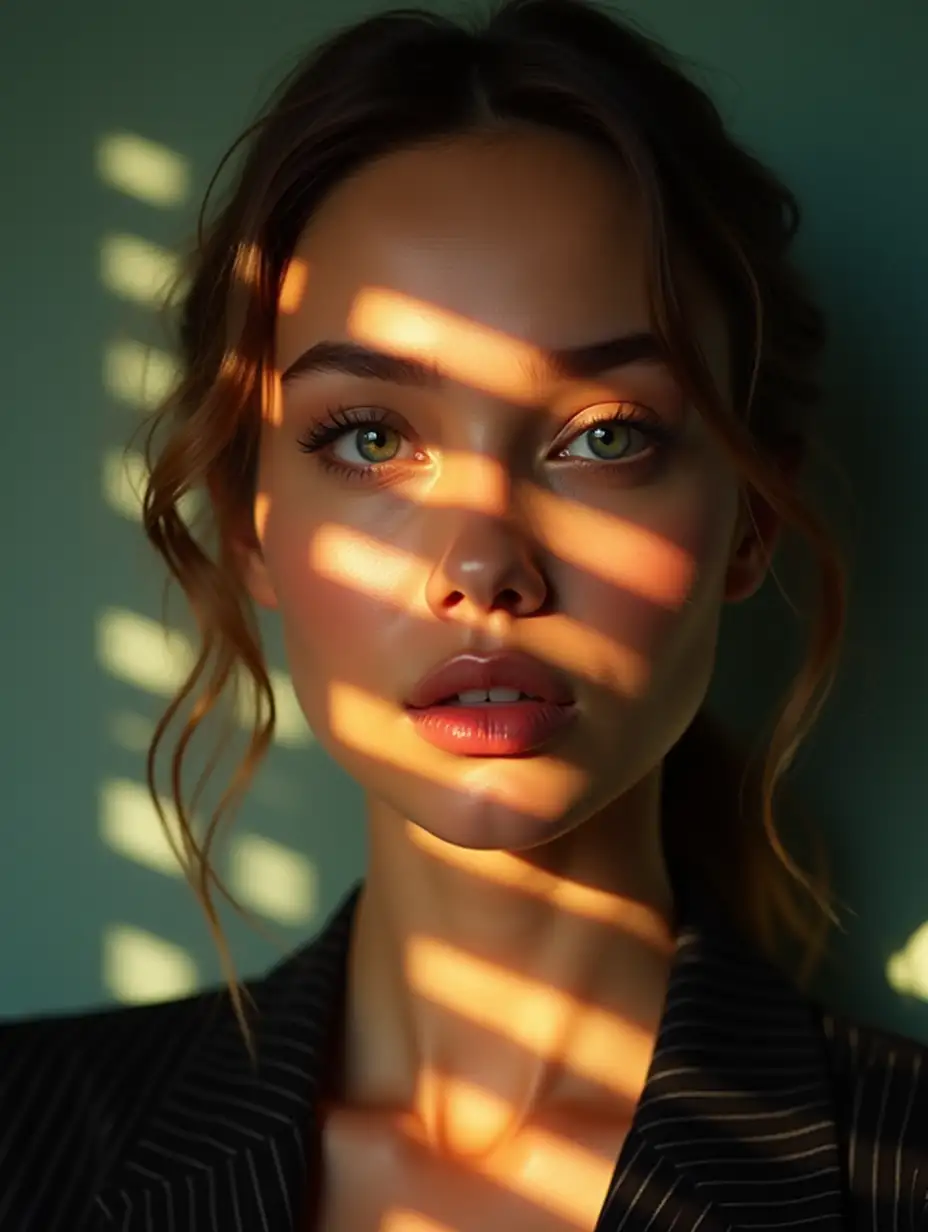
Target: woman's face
485 509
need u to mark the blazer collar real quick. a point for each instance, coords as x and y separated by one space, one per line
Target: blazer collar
736 1108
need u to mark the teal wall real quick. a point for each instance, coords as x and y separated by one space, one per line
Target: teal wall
832 93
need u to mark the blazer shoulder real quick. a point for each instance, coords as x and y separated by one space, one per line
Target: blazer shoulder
880 1085
859 1050
57 1036
88 1097
100 1068
110 1064
102 1053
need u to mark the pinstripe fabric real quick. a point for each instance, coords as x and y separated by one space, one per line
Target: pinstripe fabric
758 1112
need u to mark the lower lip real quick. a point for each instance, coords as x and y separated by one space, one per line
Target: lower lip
497 729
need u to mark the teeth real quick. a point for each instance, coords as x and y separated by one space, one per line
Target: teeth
477 697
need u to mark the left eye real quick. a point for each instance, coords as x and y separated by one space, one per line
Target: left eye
375 443
606 442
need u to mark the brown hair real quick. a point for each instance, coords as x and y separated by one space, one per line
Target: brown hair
407 77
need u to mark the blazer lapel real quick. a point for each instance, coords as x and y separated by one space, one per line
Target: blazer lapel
738 1100
649 1194
226 1148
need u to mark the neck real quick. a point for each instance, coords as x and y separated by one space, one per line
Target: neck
489 991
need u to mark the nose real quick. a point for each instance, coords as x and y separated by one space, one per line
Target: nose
486 566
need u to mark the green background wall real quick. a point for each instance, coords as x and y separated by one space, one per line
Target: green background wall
832 92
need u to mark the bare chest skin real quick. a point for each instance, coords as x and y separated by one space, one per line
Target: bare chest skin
378 1178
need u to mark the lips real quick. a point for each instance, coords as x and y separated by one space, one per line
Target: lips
506 669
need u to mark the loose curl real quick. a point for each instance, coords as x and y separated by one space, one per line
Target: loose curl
410 77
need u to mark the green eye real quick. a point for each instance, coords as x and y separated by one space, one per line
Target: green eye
377 443
609 441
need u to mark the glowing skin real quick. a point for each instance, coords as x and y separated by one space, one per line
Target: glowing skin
534 885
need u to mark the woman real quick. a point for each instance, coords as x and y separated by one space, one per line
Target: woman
497 376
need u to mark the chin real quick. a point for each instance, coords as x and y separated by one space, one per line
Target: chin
496 829
498 804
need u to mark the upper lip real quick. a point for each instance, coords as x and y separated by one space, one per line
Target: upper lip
504 669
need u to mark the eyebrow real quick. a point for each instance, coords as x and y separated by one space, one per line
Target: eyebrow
567 363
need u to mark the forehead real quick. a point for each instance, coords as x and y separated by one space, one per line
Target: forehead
532 233
528 234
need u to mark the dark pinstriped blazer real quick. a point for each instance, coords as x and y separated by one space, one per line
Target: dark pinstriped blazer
759 1110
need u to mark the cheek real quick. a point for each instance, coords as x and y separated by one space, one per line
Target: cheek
348 603
683 639
345 597
653 575
671 642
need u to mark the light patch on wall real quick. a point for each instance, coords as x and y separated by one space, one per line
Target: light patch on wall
292 729
907 969
137 270
129 824
138 375
143 169
140 968
131 731
275 880
123 482
123 479
139 651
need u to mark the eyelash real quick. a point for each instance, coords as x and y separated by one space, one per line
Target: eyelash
341 419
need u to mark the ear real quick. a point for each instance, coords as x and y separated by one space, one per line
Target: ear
255 575
752 548
248 551
757 532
